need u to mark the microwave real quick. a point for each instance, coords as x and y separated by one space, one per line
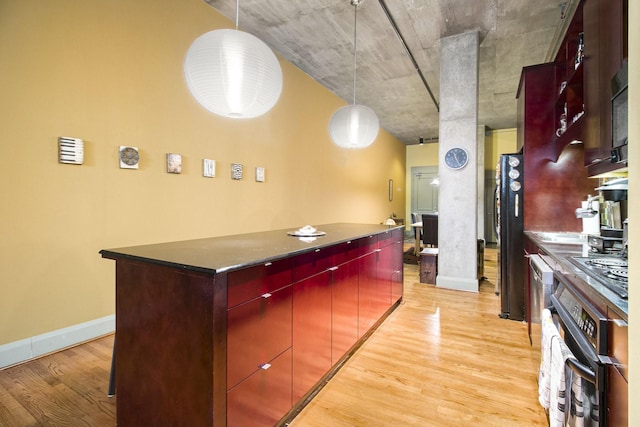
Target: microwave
620 115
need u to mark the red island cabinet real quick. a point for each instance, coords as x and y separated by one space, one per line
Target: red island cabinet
391 266
242 330
368 293
259 344
344 299
311 319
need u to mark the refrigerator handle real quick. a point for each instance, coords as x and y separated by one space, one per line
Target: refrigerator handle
496 197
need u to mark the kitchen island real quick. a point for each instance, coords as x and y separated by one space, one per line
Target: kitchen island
244 329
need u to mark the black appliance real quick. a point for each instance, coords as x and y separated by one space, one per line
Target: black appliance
620 115
583 327
509 231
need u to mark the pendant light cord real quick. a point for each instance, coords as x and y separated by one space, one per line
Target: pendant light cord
355 48
237 12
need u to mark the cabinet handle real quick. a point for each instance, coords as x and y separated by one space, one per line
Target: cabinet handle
267 295
333 268
267 264
265 366
378 250
317 250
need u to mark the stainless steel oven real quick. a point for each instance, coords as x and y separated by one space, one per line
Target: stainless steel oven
583 328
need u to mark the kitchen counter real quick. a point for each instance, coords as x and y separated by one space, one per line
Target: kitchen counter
244 329
557 255
225 253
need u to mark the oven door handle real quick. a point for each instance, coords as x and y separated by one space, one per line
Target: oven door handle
581 370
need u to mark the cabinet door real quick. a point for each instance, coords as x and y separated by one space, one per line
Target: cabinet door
367 289
397 272
383 285
344 309
264 397
311 332
258 331
617 398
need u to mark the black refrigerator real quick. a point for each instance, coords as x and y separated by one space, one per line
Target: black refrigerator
509 231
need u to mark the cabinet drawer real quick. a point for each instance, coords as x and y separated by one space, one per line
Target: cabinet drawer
264 397
257 331
386 239
368 244
306 265
346 251
398 234
248 283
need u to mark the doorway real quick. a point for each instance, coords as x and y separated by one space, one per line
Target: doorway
424 191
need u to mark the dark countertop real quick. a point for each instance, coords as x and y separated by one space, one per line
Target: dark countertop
225 253
557 256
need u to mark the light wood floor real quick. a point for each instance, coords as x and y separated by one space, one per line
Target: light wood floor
443 358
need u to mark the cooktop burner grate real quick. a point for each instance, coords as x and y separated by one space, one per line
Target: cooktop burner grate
611 272
621 273
608 262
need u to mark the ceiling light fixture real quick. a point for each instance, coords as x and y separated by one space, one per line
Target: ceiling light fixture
354 126
232 73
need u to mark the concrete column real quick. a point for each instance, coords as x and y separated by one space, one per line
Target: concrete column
458 197
482 213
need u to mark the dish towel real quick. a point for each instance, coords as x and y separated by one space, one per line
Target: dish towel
558 387
576 415
549 331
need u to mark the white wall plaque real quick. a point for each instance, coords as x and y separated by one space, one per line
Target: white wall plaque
208 168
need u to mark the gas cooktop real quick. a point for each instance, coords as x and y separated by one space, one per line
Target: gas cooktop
610 271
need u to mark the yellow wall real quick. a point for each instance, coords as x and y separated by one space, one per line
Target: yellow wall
498 142
111 73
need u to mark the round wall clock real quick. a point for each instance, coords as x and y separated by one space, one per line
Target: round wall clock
456 158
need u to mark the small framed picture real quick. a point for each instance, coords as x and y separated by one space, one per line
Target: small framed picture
174 163
259 174
208 168
129 157
236 171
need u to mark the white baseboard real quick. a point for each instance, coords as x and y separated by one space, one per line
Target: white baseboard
457 283
39 345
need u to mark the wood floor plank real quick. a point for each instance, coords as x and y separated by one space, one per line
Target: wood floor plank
67 388
443 358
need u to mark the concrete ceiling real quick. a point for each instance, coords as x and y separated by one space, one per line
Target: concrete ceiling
317 36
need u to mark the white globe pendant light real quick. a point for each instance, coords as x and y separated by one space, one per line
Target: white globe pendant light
354 126
233 74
